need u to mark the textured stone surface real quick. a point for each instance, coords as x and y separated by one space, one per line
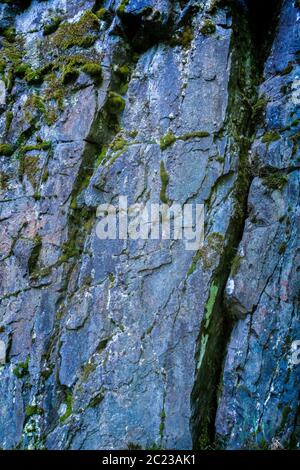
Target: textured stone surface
119 344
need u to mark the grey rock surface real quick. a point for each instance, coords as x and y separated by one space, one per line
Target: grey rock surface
142 343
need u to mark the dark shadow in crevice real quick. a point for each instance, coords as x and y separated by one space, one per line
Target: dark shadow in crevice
262 20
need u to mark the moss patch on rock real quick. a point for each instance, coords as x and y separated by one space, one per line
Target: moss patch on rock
164 177
6 149
167 140
208 27
21 369
275 181
271 136
83 33
115 103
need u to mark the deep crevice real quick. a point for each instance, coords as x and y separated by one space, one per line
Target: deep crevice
253 31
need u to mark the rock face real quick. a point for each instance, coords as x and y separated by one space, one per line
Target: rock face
144 344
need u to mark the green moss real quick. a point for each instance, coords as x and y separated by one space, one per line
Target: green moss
167 140
34 102
216 242
235 265
12 54
69 250
83 33
9 80
193 135
102 344
3 181
21 369
34 76
68 411
37 196
122 6
2 65
69 74
20 70
115 102
133 134
123 72
8 120
288 69
162 423
214 289
282 248
164 177
31 410
55 90
187 37
271 136
259 108
119 143
9 34
40 273
34 255
275 181
100 157
51 27
45 145
87 370
170 138
96 400
220 159
134 446
195 260
93 70
6 149
103 14
29 166
208 27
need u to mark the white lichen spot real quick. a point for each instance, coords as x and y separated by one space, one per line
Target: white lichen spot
2 353
230 286
62 409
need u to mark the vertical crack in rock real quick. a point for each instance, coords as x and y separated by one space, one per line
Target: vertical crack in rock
254 26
